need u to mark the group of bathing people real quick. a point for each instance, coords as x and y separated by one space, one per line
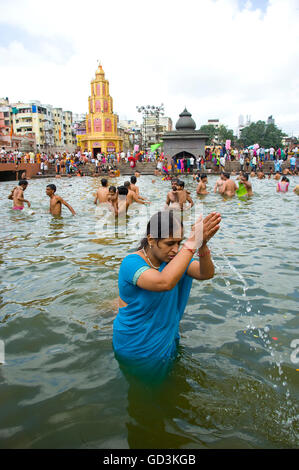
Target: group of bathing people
155 280
178 198
228 187
56 202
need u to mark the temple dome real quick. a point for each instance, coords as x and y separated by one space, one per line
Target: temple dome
185 122
100 72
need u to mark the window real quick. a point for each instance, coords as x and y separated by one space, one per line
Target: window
108 126
97 125
111 147
98 106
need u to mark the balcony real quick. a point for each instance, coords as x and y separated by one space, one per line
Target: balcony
25 124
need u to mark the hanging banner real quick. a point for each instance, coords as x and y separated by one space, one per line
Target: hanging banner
154 147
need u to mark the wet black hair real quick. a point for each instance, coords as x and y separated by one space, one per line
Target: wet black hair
127 184
122 190
133 179
245 176
227 175
23 182
181 183
284 178
203 176
104 182
161 225
52 186
112 188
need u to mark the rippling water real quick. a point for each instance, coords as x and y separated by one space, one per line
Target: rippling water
233 385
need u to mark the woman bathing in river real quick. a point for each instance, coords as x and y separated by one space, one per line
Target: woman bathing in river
154 287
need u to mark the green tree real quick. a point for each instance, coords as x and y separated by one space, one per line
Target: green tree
220 134
210 130
225 134
266 135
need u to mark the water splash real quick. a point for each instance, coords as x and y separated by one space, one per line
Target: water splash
278 377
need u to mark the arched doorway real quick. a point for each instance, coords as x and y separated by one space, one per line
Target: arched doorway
183 154
187 166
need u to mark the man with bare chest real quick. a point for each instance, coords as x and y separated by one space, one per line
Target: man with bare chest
229 187
103 192
172 199
202 185
184 196
56 201
132 196
133 186
17 195
219 184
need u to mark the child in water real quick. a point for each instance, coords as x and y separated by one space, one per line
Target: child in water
113 199
283 185
56 201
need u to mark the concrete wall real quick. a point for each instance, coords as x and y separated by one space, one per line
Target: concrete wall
31 169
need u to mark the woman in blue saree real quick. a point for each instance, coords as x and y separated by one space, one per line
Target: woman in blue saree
154 287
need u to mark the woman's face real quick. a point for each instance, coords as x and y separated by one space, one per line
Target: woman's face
165 249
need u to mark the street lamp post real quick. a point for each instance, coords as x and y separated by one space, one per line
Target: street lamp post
147 111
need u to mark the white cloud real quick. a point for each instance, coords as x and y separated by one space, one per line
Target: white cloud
209 55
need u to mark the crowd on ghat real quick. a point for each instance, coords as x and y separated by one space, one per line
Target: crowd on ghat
250 159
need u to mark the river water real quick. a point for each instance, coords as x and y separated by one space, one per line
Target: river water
235 383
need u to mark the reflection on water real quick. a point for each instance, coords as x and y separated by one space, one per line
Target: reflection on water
233 383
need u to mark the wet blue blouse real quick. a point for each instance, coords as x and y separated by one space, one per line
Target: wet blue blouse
146 331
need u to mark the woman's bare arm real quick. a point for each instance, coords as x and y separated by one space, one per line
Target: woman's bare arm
154 280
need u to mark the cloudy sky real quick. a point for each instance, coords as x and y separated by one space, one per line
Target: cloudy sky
219 58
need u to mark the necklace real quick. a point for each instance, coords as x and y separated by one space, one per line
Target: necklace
155 267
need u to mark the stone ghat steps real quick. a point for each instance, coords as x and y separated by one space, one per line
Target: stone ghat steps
148 168
144 168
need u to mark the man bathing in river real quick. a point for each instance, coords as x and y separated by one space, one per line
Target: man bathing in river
17 195
132 196
113 199
245 181
219 184
56 201
229 186
122 198
133 186
183 196
261 174
102 192
202 185
172 199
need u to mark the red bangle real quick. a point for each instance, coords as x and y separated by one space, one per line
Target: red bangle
189 249
207 252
